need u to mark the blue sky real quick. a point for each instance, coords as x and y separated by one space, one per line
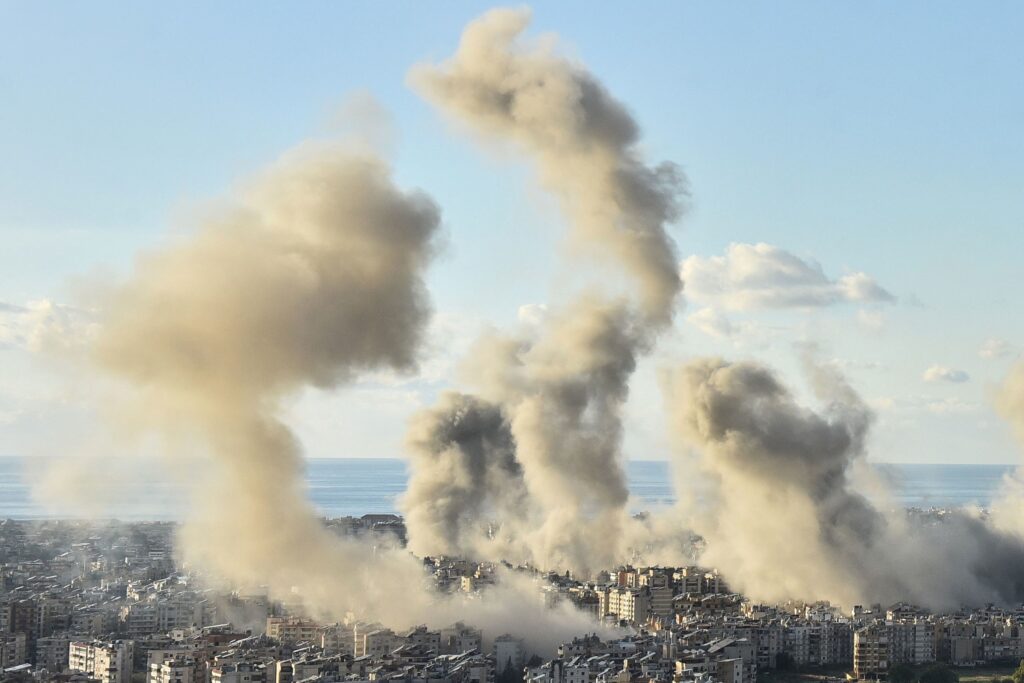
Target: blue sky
862 137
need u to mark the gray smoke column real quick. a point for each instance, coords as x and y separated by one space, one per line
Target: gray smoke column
310 275
560 391
538 454
583 141
562 394
787 523
463 471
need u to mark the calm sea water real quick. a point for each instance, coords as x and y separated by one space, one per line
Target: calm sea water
357 487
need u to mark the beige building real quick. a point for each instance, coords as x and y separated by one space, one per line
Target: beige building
108 662
179 669
293 630
628 604
871 652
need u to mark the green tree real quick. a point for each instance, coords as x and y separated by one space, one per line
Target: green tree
901 673
1018 675
939 674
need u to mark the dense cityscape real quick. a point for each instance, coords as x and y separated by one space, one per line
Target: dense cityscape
793 262
104 602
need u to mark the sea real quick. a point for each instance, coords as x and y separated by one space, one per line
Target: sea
354 487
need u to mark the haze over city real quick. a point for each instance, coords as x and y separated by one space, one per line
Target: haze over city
641 345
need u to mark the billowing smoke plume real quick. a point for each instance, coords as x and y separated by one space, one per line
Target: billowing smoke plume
560 392
1010 399
582 139
312 275
464 471
786 522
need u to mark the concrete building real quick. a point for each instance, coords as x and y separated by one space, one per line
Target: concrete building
459 638
658 582
13 650
291 630
181 669
509 652
911 641
238 672
108 662
377 643
871 652
52 653
627 604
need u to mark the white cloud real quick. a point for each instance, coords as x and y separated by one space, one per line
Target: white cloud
757 276
940 373
994 349
44 325
712 323
847 364
948 406
918 404
532 315
742 333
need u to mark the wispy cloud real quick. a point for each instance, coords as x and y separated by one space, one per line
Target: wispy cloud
759 276
44 325
941 373
994 349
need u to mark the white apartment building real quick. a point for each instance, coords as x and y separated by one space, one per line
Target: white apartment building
378 643
336 640
109 662
292 629
358 635
179 669
629 604
239 672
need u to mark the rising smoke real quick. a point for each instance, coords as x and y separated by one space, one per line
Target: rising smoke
310 276
560 393
314 274
582 140
786 522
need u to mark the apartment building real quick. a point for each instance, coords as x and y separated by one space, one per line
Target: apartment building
108 662
871 652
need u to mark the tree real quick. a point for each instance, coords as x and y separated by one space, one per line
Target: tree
939 674
901 673
509 673
1018 675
